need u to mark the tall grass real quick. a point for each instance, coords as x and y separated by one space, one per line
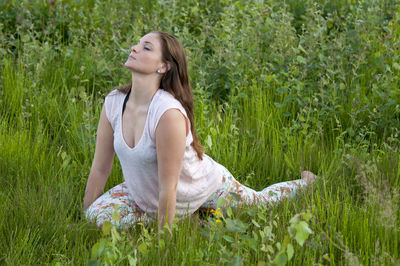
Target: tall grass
279 87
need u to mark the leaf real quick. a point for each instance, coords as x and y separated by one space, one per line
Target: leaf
280 259
221 202
252 243
326 257
255 223
302 232
132 261
289 251
251 212
286 241
229 211
93 263
255 236
302 49
275 223
209 141
161 244
270 249
307 216
235 225
235 196
295 219
301 60
228 238
115 216
114 233
350 131
268 231
25 38
98 248
269 78
143 248
261 215
237 260
396 66
106 228
95 250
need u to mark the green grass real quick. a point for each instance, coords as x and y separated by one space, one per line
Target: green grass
278 88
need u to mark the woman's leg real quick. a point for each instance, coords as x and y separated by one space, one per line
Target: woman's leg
243 194
102 209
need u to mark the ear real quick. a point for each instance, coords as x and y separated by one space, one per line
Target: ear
165 68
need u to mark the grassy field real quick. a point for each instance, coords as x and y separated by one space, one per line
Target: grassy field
279 86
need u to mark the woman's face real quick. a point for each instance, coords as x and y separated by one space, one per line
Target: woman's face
146 56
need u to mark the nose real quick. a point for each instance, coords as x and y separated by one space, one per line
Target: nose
134 49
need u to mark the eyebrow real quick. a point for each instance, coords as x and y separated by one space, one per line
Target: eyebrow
147 42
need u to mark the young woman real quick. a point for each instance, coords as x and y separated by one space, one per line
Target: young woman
150 125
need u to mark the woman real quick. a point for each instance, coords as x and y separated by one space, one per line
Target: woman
150 125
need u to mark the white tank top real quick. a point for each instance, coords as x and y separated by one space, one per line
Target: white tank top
198 178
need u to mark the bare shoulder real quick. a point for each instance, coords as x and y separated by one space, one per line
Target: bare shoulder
172 116
172 122
170 138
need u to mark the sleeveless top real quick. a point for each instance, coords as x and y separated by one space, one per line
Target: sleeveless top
198 179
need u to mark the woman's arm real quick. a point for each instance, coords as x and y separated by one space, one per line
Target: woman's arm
102 162
170 145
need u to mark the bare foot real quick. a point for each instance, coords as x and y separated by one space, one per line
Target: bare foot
308 176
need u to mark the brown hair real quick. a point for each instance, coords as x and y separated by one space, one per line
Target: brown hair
176 81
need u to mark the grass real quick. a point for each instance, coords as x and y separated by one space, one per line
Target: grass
278 88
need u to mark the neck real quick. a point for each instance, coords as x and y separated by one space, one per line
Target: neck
143 88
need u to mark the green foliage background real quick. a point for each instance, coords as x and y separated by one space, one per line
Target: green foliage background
280 86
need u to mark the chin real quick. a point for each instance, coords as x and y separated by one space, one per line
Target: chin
128 66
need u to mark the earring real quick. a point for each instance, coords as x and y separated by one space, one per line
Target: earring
158 71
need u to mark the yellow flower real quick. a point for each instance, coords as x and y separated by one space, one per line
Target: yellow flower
218 212
218 220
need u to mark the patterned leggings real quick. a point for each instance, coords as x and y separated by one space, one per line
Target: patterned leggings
102 209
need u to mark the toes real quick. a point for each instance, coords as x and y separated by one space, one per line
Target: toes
308 176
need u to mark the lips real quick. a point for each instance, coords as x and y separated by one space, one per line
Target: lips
130 56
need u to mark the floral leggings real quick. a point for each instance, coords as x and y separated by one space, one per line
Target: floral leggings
118 198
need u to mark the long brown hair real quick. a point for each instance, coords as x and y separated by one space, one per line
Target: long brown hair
176 81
